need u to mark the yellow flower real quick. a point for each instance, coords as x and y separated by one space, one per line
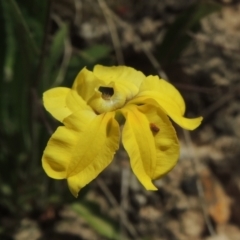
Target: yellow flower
92 112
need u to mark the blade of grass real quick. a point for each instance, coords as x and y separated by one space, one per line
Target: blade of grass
90 212
20 22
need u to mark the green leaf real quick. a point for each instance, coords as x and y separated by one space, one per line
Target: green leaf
95 53
88 57
91 213
22 27
3 53
3 40
34 9
57 47
176 38
54 58
20 63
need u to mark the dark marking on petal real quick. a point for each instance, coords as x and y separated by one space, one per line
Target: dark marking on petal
154 128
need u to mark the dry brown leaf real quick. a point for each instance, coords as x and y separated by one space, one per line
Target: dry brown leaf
218 202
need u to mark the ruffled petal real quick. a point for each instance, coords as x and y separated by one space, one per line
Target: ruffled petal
166 141
94 150
54 101
162 94
58 153
127 78
76 103
139 143
86 84
164 90
171 111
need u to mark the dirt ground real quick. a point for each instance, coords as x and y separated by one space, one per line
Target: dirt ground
199 199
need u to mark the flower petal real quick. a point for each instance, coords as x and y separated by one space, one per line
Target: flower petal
165 138
139 143
94 150
86 83
162 94
58 153
54 101
128 79
170 110
76 103
164 90
119 73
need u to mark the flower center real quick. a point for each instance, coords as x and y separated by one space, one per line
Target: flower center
107 98
107 92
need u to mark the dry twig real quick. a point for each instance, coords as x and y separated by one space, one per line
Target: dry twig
113 31
139 42
221 101
201 196
124 195
205 40
66 56
131 229
78 10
